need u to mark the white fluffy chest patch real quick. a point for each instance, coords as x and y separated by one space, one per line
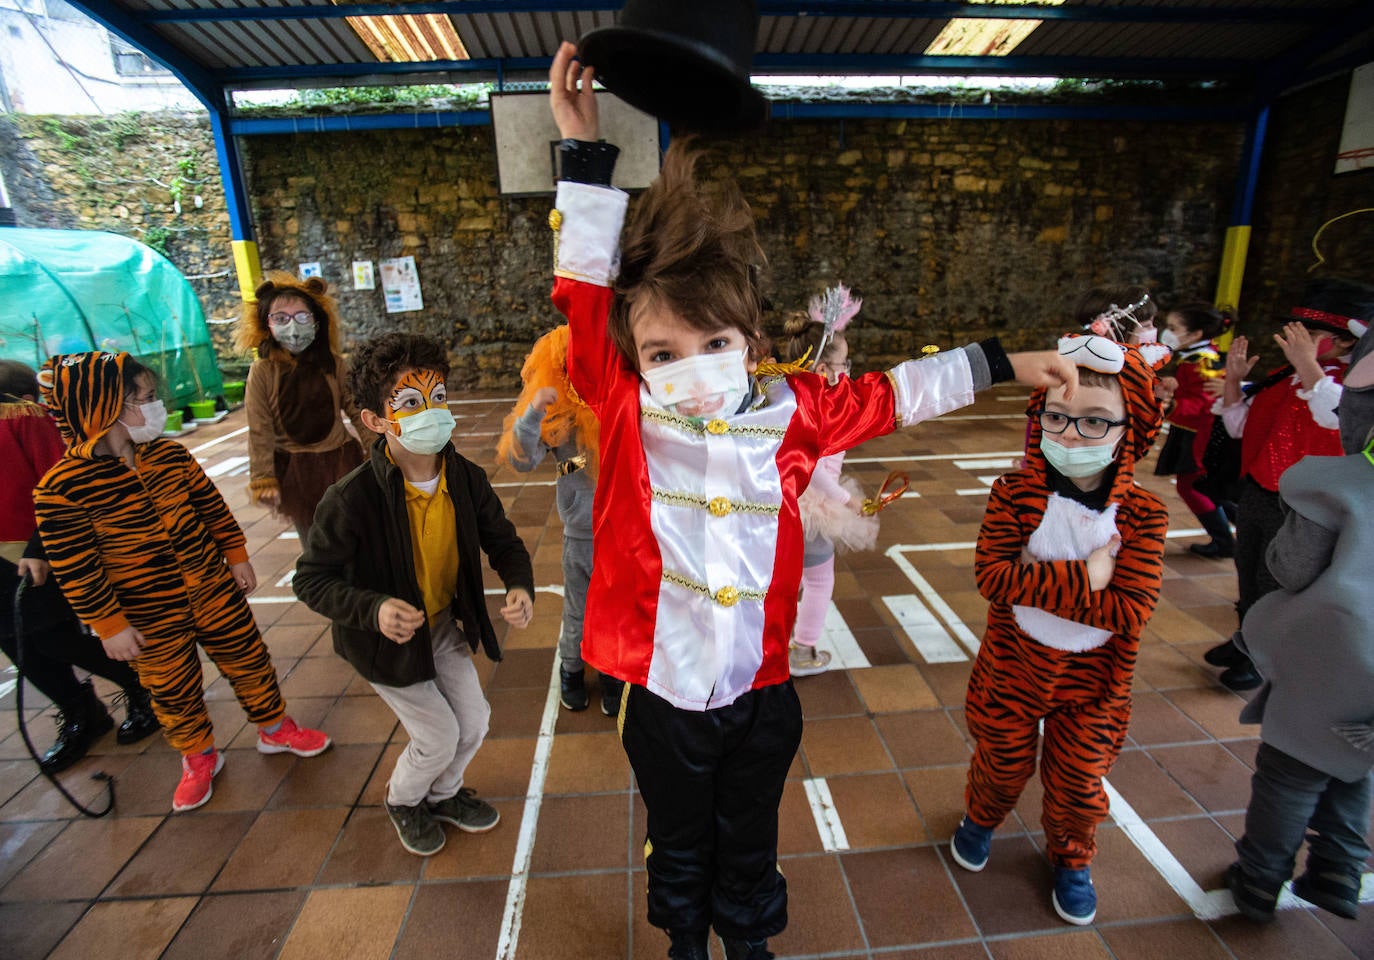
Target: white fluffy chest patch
1071 531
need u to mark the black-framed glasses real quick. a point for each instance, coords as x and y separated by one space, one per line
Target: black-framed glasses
281 319
1089 428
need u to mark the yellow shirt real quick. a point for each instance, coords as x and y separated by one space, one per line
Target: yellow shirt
434 545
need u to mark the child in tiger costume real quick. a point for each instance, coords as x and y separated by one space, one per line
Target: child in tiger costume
151 559
1070 558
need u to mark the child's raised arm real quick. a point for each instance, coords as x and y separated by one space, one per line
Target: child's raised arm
574 105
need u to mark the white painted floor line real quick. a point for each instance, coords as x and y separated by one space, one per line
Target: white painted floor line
845 652
524 845
286 577
6 686
289 535
1191 532
981 416
927 634
910 494
290 599
456 403
936 547
218 440
989 479
933 599
986 463
973 491
227 467
527 483
1203 905
933 456
827 817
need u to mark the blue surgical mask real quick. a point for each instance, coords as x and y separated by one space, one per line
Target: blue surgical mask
426 432
1078 462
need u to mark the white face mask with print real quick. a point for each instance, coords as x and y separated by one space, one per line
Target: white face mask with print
704 385
154 422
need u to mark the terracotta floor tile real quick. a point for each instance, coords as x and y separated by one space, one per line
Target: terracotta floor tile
820 916
368 853
15 775
1292 934
876 811
1149 789
1203 847
939 796
39 801
1128 887
238 926
949 681
145 787
516 713
21 842
501 767
459 921
922 738
883 646
1155 719
82 860
1209 773
467 855
843 745
522 669
226 717
283 848
246 781
1176 626
334 777
1244 750
359 720
894 689
31 934
591 914
828 695
587 763
796 824
1073 945
141 928
905 897
356 924
1012 893
293 641
374 793
317 677
962 951
1215 710
163 868
1167 938
582 833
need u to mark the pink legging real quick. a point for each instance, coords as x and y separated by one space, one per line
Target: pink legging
817 583
1195 500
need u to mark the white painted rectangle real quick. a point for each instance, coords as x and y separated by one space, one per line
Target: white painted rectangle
826 816
931 640
845 652
986 463
229 466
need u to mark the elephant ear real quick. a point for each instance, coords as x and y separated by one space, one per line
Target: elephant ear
1358 735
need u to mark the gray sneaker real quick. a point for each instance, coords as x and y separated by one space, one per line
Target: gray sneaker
418 832
466 811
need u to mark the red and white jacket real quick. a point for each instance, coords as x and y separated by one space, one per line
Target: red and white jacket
698 541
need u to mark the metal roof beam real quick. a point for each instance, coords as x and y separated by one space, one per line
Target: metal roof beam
877 9
1290 66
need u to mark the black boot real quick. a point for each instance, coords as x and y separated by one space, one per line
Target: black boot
572 690
688 945
1222 544
79 724
746 949
139 719
611 692
1241 676
1225 654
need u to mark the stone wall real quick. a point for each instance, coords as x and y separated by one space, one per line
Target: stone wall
951 230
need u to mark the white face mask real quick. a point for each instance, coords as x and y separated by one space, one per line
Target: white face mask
1147 335
426 432
1078 461
704 385
1170 339
154 422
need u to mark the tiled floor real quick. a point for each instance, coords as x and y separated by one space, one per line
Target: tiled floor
295 858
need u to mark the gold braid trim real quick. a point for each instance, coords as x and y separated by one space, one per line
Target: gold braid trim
725 596
698 427
772 368
677 498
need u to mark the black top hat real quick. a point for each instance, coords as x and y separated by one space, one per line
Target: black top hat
684 61
1332 303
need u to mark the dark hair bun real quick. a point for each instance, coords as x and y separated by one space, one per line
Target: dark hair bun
796 324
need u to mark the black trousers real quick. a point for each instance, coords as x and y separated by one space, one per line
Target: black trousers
711 783
1259 521
54 641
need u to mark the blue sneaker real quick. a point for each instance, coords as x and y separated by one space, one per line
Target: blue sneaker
971 845
1074 897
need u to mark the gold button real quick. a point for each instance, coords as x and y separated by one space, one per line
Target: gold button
727 596
719 507
717 426
555 220
928 350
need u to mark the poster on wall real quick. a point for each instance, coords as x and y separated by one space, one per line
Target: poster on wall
1357 136
311 269
401 285
362 275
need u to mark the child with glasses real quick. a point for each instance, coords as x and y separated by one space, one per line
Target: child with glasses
297 442
1070 558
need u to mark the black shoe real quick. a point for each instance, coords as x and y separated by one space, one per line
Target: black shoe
1225 654
1255 902
1331 888
1241 677
688 945
1223 542
139 719
611 692
572 690
746 949
79 724
1212 550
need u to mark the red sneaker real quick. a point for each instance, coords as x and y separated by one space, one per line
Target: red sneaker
197 772
289 738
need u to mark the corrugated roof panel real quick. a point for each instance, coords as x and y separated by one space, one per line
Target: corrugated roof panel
1160 40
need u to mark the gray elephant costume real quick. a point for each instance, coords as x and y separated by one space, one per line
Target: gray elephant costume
1313 643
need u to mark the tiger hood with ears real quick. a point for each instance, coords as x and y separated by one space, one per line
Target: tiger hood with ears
254 335
85 392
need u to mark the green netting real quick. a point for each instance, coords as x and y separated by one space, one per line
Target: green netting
69 291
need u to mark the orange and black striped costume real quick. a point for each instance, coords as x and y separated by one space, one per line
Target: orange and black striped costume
1082 693
149 548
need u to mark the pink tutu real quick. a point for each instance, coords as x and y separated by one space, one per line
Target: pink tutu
840 523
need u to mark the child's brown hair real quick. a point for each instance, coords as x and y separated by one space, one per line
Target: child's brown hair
692 247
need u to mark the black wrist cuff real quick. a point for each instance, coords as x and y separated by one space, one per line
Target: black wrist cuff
582 161
998 364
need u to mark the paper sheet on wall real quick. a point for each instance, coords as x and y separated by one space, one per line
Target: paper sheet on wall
401 285
311 269
362 275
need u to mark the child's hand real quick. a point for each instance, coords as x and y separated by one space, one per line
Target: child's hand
1165 388
1214 387
574 109
519 608
1238 365
398 620
36 570
543 398
1045 368
1300 349
127 644
244 576
1102 564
